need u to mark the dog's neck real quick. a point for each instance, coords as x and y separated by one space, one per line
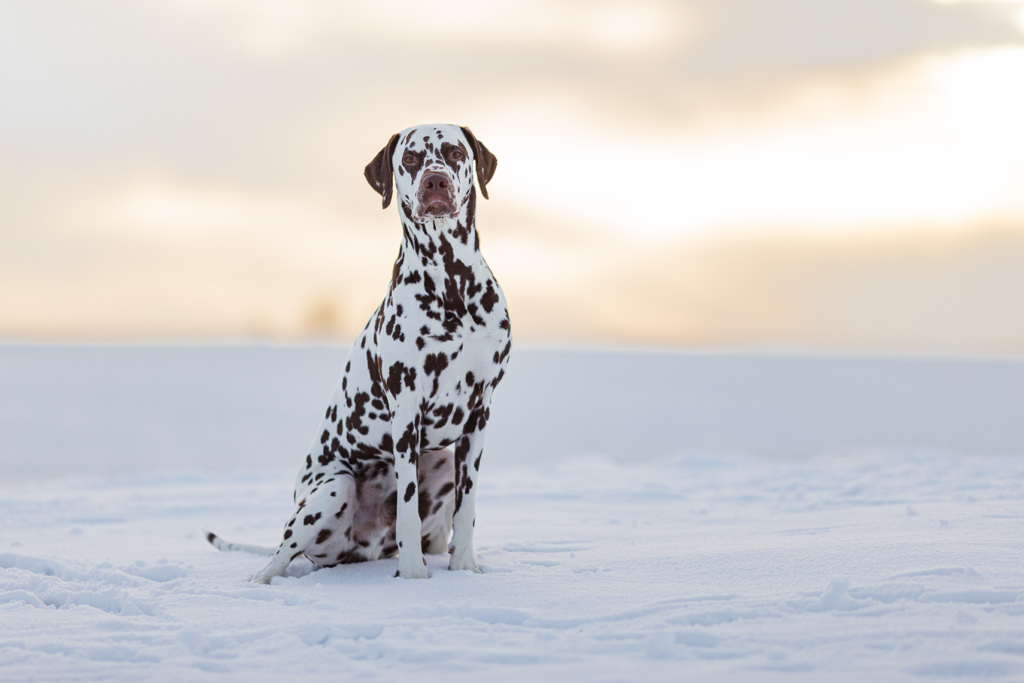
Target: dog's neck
441 241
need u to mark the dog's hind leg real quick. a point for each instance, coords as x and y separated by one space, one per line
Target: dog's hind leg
327 510
437 499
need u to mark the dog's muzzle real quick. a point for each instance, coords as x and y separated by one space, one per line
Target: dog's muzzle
436 196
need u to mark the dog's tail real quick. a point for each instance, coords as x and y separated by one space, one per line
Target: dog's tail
220 544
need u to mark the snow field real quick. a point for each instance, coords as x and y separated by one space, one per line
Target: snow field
892 566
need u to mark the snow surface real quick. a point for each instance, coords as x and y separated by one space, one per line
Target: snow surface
891 563
114 410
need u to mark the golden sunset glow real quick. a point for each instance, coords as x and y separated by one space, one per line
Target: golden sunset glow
832 175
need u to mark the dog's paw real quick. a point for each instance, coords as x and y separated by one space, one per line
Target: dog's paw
464 563
415 572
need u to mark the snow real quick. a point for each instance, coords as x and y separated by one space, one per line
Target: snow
820 558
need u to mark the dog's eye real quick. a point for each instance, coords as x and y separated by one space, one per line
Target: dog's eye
409 159
456 154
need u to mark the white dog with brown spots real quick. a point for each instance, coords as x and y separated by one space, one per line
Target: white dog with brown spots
395 461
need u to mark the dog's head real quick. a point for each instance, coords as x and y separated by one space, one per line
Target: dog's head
432 167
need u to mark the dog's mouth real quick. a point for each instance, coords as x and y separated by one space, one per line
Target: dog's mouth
436 196
437 207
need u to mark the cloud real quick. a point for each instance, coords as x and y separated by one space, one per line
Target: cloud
180 165
165 208
270 30
934 141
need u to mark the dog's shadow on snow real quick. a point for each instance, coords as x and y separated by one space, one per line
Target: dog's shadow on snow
301 567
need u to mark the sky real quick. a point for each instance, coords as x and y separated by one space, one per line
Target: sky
824 175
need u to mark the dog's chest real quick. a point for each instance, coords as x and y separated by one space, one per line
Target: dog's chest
451 326
454 395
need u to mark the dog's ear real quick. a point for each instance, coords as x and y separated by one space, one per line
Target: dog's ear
486 163
379 172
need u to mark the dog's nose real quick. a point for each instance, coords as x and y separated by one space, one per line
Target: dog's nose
435 182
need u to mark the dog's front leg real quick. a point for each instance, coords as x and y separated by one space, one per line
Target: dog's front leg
405 425
467 466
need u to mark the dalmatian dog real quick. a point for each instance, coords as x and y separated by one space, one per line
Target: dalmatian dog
394 464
